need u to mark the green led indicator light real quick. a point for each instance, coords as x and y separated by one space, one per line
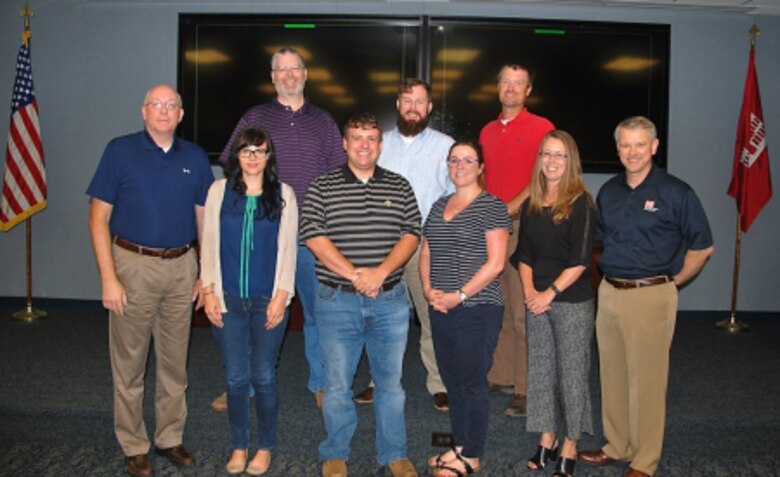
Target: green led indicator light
309 26
549 31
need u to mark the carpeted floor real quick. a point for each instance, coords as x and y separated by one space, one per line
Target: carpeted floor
56 408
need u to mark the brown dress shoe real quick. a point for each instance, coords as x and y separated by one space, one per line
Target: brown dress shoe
440 402
139 466
366 396
635 473
517 407
178 455
334 468
597 457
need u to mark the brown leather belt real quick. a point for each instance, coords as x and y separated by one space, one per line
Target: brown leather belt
627 283
164 253
351 289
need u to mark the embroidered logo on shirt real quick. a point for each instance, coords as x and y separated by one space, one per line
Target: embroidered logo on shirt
185 170
650 206
388 202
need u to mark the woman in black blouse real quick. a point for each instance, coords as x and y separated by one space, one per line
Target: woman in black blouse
554 254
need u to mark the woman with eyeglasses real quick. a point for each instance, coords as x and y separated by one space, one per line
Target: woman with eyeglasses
248 258
554 254
463 252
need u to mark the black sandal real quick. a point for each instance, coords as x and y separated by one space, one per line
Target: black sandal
467 468
439 461
565 467
542 455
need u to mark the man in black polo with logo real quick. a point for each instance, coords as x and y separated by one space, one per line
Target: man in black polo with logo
656 238
362 223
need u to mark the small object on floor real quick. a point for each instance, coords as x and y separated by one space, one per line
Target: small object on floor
365 396
334 468
260 463
237 462
504 388
440 402
517 407
178 455
220 403
565 467
596 457
402 468
635 473
319 398
457 467
139 465
542 455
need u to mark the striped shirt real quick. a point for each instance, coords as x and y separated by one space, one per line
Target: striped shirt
307 142
364 220
459 248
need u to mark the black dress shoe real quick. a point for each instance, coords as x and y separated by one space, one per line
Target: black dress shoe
178 455
139 465
441 402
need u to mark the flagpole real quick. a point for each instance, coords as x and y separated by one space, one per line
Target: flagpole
29 314
732 325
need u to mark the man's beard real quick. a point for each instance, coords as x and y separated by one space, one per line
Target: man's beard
411 128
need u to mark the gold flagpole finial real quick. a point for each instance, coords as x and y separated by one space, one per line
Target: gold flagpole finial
27 13
754 32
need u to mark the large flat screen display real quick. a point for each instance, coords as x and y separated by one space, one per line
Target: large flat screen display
588 75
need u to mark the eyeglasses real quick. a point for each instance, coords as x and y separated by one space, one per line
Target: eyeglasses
291 69
454 161
249 151
558 156
159 105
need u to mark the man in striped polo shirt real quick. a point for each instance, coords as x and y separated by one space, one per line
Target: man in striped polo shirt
363 224
307 143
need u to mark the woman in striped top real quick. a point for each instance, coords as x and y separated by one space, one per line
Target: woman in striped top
463 253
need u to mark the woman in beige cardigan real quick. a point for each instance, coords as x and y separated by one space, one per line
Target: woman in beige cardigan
248 259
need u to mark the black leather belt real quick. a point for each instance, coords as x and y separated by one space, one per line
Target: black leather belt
164 253
629 283
351 289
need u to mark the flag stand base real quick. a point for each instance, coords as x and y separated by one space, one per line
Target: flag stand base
732 325
29 314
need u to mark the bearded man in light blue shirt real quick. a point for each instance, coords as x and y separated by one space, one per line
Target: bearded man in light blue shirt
418 153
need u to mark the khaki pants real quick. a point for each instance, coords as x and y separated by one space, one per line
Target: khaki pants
159 306
510 361
634 329
433 380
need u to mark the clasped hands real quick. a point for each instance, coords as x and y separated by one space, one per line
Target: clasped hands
442 301
538 302
368 281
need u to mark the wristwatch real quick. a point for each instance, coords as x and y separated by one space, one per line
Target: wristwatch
462 295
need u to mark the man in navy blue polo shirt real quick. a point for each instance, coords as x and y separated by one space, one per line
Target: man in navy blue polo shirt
145 216
656 238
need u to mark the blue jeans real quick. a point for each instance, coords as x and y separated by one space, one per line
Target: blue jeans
464 340
306 285
249 353
346 322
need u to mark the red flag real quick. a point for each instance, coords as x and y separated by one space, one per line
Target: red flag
751 182
24 182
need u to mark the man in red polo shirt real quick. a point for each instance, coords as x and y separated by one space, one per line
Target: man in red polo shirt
510 144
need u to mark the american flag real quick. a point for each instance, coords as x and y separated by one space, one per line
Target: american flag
24 183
